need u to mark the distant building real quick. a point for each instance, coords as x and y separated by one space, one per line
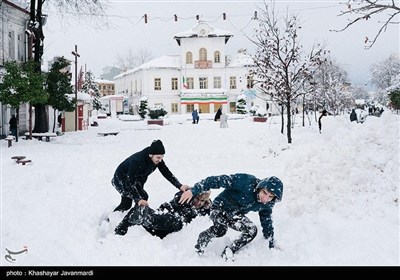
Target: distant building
200 77
106 87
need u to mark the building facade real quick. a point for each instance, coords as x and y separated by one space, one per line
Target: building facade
13 47
106 87
200 77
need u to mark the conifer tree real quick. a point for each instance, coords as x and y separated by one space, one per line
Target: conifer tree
143 109
241 105
91 87
59 87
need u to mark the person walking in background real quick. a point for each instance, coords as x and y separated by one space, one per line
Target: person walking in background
131 175
169 217
195 116
223 121
319 120
242 193
14 127
353 115
218 114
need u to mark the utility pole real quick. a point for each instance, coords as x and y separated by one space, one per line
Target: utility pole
76 54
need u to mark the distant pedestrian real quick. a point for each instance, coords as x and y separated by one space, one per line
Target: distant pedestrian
223 121
319 120
14 127
59 119
218 114
353 115
195 116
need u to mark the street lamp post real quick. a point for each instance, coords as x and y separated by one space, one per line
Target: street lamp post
76 54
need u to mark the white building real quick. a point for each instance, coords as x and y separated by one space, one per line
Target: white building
13 47
200 77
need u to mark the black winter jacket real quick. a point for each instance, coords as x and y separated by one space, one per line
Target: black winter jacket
131 175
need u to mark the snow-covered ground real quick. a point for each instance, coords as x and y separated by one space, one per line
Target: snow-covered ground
340 202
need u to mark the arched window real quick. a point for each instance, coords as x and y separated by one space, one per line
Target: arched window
217 57
203 54
189 58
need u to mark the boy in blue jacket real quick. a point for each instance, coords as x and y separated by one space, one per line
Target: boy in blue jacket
242 193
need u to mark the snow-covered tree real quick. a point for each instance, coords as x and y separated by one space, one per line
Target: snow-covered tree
241 104
132 59
157 112
331 87
143 107
282 66
359 92
385 75
91 87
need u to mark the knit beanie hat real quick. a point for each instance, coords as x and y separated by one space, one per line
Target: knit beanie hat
157 148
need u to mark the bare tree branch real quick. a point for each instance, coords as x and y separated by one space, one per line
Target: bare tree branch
365 9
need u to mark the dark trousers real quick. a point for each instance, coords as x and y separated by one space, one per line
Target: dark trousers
14 132
222 221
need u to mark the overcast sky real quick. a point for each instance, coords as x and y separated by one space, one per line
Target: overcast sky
100 46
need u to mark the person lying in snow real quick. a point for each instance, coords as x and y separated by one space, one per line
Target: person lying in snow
169 217
242 193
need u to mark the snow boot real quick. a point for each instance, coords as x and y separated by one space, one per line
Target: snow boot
123 226
126 204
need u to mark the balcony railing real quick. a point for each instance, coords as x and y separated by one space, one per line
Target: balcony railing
202 64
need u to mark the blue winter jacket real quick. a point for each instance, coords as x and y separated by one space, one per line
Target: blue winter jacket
240 197
131 175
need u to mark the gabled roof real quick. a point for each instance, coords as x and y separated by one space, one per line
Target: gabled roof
163 62
202 29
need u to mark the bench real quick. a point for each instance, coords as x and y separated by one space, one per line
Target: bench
24 161
107 133
21 159
9 138
17 158
39 136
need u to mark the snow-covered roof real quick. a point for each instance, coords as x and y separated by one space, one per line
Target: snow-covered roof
163 62
113 97
83 96
203 29
104 81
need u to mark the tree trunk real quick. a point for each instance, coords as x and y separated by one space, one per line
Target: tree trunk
41 123
304 105
282 118
289 129
54 120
